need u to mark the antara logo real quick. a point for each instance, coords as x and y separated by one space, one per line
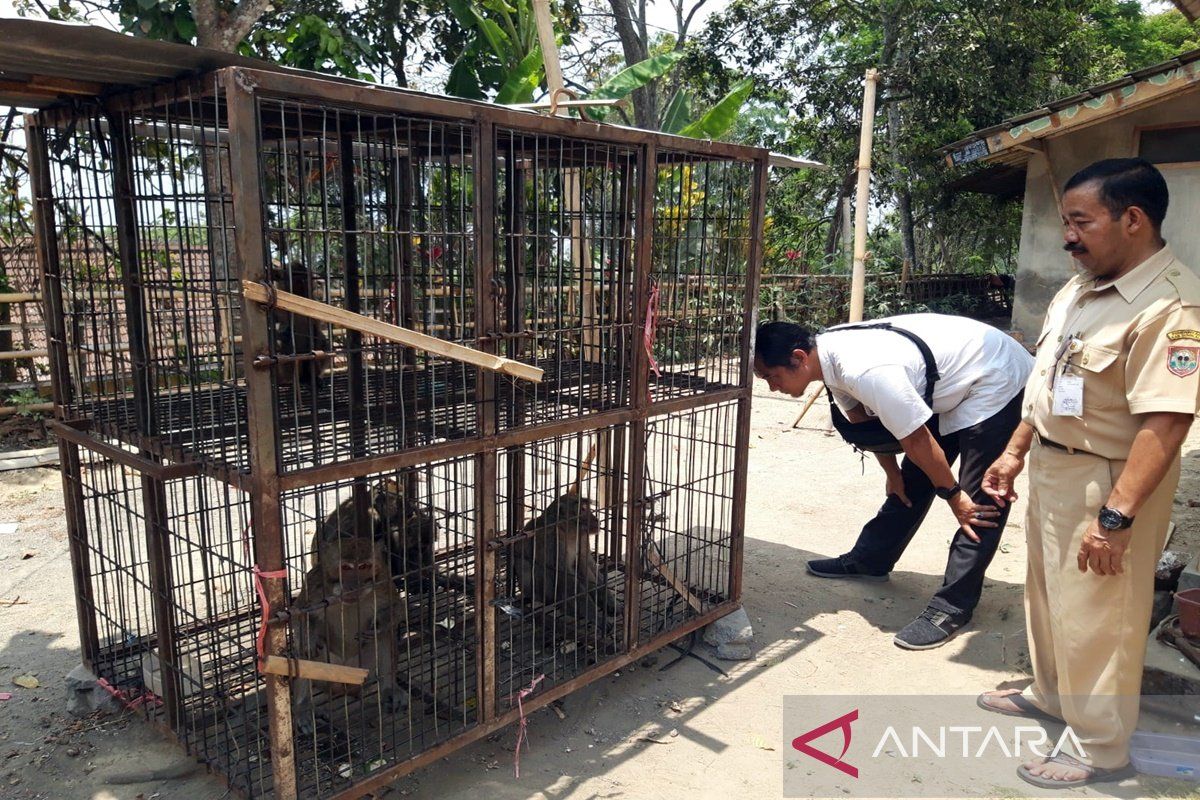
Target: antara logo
801 743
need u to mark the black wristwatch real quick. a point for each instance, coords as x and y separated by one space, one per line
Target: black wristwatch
948 492
1113 520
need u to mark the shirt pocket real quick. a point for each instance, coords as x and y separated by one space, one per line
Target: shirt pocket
1102 378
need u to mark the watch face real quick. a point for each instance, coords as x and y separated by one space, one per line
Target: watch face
1111 519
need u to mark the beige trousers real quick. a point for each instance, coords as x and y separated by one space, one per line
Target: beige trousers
1087 632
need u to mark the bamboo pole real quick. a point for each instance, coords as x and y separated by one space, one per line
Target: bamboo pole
545 29
323 312
858 277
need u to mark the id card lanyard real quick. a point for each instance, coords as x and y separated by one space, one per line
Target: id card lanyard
1066 385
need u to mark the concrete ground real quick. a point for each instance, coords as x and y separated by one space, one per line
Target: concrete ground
641 733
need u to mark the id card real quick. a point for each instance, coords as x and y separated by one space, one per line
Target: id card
1068 396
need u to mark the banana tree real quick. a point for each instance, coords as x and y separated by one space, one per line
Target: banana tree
677 116
502 52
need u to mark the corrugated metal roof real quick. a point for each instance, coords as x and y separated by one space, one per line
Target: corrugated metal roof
42 63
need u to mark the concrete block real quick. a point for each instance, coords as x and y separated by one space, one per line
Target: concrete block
85 696
732 629
734 652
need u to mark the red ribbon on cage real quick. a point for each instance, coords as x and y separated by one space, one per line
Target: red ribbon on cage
650 332
522 733
146 697
261 591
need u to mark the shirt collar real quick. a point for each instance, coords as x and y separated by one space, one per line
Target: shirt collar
1134 282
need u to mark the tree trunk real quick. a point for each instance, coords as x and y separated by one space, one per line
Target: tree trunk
903 193
223 29
832 245
634 46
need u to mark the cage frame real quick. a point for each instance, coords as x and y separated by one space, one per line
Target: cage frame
265 483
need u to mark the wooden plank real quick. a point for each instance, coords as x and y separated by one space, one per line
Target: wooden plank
25 459
323 312
313 670
679 586
52 87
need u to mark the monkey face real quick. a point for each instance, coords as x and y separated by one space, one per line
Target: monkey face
574 513
389 500
354 562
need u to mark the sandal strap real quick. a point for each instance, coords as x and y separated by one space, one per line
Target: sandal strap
1068 760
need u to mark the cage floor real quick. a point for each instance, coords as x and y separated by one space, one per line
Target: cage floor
402 411
225 723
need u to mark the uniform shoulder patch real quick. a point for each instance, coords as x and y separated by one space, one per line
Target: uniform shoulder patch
1183 361
1183 333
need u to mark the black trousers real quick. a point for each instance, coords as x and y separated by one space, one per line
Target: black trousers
884 539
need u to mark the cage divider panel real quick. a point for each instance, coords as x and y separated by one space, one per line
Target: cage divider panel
46 241
153 500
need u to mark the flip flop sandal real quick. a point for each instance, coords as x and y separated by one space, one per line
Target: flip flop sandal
1026 709
1094 774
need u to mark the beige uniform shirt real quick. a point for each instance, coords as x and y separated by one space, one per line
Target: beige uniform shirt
1136 344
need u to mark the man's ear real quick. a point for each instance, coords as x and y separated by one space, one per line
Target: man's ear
799 358
1136 219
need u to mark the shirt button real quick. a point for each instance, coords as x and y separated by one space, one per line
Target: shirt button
1060 338
1043 372
1085 359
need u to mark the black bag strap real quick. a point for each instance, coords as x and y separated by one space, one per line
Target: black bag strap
932 375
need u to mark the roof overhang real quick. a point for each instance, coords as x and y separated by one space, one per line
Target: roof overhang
1189 8
1015 140
45 63
1004 181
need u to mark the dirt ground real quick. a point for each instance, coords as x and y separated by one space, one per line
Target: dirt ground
718 737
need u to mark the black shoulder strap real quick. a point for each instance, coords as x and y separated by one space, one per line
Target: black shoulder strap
931 371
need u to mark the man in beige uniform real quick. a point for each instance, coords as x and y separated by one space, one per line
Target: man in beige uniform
1108 404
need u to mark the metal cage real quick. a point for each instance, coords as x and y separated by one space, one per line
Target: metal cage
250 489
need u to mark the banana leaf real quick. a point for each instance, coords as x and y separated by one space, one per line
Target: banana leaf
717 121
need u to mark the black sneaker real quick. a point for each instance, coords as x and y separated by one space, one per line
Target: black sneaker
841 567
932 629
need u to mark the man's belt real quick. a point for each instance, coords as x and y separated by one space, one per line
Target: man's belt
1051 443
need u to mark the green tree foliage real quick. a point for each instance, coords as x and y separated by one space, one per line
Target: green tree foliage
949 67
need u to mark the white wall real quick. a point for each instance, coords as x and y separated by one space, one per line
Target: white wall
1042 265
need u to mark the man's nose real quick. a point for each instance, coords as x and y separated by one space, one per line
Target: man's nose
1070 234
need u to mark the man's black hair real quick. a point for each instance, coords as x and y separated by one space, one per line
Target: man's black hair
775 342
1126 182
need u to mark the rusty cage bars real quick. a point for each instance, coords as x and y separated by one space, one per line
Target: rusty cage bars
208 441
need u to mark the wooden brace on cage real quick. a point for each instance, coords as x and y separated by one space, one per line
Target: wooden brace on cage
324 312
313 670
671 578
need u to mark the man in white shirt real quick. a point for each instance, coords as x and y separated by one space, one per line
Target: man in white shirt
975 406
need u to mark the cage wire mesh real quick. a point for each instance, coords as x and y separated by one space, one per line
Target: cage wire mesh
450 535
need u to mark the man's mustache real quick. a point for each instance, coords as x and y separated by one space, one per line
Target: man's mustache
1074 248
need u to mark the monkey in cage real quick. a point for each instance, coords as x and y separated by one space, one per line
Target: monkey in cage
554 565
408 532
298 335
347 614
